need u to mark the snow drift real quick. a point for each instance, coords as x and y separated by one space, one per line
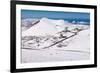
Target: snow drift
80 42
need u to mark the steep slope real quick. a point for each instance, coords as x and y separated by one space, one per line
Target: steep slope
45 27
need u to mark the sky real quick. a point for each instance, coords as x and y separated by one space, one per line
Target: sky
54 14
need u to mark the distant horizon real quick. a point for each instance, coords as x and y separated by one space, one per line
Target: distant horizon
66 16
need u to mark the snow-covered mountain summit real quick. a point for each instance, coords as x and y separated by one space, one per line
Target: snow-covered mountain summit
45 27
52 21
